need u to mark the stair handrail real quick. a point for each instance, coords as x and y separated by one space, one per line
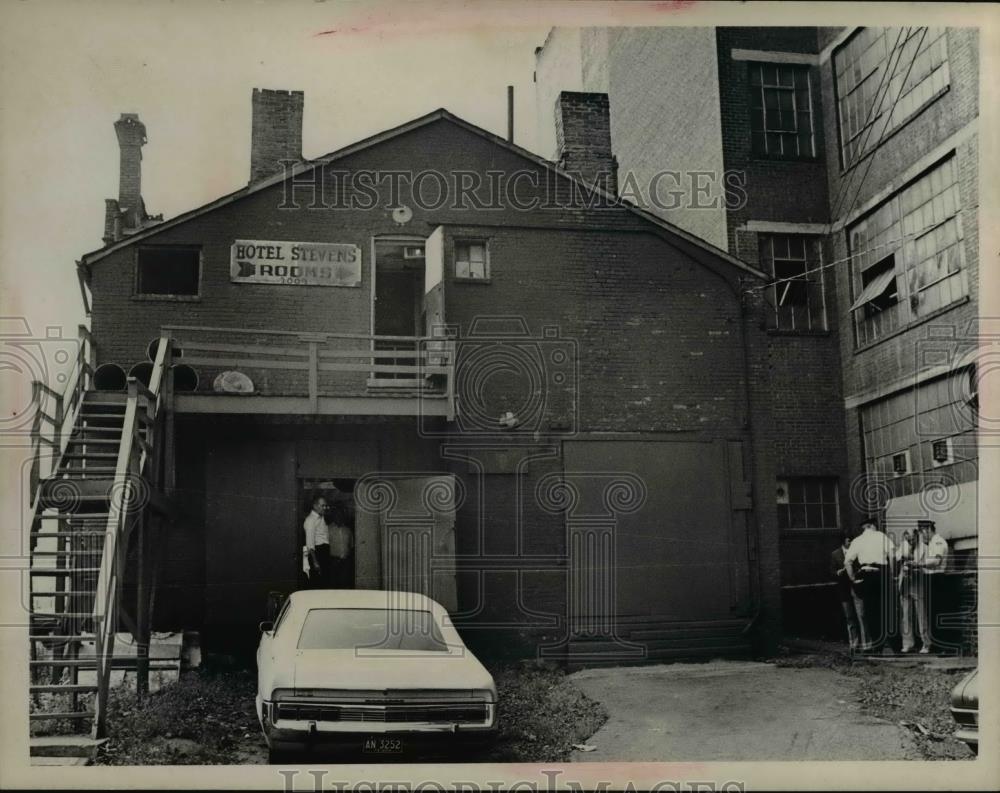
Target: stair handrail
53 412
125 503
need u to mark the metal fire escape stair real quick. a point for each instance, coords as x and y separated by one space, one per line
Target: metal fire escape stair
82 516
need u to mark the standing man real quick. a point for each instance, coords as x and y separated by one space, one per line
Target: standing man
867 562
913 590
341 546
934 564
318 544
850 600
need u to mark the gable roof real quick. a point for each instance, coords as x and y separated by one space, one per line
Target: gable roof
440 114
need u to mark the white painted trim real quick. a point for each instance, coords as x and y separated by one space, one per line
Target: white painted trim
771 56
911 173
904 383
827 52
777 227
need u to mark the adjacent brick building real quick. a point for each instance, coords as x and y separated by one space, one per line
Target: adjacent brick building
855 151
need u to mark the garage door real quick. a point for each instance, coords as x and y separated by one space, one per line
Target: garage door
682 554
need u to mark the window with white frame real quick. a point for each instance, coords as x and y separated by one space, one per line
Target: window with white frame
883 77
798 297
471 260
807 502
907 255
921 435
781 119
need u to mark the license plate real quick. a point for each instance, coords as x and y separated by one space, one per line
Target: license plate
379 745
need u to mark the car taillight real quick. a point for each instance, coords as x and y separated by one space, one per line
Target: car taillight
483 695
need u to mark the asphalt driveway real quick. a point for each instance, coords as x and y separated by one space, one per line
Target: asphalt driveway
728 710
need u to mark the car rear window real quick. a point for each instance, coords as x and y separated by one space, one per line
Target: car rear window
381 629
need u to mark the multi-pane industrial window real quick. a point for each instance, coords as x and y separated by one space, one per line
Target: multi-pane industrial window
883 77
922 436
907 255
808 502
471 260
168 271
798 298
781 120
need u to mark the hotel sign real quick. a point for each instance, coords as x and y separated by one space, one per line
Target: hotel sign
297 263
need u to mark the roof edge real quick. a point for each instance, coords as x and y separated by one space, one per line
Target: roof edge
380 137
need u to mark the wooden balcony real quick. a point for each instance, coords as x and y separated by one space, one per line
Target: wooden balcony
297 373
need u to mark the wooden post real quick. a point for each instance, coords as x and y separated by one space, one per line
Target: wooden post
314 377
142 613
169 441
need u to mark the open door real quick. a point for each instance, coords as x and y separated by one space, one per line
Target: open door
433 308
408 545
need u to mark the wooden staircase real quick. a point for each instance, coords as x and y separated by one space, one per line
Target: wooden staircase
102 490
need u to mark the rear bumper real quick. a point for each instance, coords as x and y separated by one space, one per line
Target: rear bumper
296 734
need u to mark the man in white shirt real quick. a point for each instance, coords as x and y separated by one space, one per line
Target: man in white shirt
867 563
318 544
934 564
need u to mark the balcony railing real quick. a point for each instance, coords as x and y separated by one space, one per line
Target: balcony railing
322 372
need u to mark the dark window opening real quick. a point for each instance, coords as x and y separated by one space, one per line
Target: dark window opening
168 271
879 287
781 123
808 502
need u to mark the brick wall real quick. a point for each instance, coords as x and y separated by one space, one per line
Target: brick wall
276 130
789 191
663 342
899 356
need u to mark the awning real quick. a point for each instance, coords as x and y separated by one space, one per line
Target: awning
875 289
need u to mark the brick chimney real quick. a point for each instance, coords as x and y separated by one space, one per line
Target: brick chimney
276 132
583 139
131 138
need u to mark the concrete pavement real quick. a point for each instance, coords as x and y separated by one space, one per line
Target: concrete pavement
730 710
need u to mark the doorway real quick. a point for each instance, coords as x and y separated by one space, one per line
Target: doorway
397 306
339 495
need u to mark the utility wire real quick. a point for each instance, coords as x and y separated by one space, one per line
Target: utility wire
885 127
803 275
857 193
873 111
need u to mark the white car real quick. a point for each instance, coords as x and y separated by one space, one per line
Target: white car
384 672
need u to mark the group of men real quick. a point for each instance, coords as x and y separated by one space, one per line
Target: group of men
873 576
329 542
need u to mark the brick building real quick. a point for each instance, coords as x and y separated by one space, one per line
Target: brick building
855 151
537 403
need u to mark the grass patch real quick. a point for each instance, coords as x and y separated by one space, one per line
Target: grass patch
208 718
205 719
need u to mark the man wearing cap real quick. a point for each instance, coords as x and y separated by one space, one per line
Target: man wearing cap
867 562
934 564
